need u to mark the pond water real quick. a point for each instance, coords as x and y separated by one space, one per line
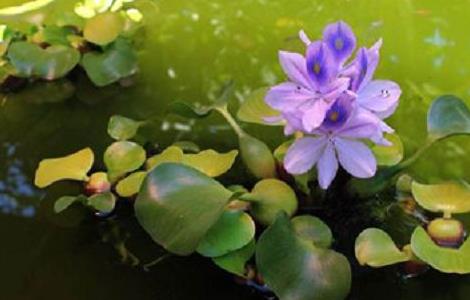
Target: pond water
189 50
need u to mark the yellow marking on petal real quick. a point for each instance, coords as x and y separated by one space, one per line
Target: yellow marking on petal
334 116
316 68
339 43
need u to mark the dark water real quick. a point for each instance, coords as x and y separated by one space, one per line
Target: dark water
189 50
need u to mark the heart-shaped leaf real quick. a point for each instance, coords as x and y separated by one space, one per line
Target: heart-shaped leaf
447 116
375 248
73 167
451 197
389 155
177 205
121 128
446 260
255 110
210 162
234 230
117 62
234 262
313 229
295 269
50 63
103 202
104 28
123 157
130 185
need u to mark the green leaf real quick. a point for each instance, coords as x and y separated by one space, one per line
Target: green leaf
255 110
313 229
104 28
296 270
210 162
64 202
269 197
24 8
389 155
177 205
74 167
170 154
375 248
281 150
130 185
451 197
123 157
103 202
117 62
121 128
234 230
187 110
57 35
257 157
234 262
447 260
51 63
448 116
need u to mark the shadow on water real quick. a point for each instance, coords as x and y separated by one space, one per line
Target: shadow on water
189 49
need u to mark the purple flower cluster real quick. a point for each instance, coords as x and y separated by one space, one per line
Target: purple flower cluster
332 99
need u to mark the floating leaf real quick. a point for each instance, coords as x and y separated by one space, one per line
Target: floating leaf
104 28
177 205
121 128
57 35
255 110
103 202
123 157
389 155
130 185
170 154
210 162
448 197
375 248
51 63
234 230
295 269
64 202
447 116
24 8
117 62
446 260
234 262
74 167
189 111
313 229
257 157
269 197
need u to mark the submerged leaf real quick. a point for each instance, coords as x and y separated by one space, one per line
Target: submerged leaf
121 128
451 197
210 162
130 185
389 155
74 167
234 262
123 157
447 116
255 110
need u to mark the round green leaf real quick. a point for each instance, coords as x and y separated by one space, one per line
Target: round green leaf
64 202
130 185
235 261
269 197
103 202
210 162
187 110
375 248
103 28
177 205
121 128
123 157
295 269
451 197
447 260
389 155
314 230
255 110
257 157
233 230
170 154
447 116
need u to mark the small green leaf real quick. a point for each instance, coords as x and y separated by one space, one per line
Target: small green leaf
281 150
389 155
177 205
314 230
210 162
375 248
296 270
130 185
255 110
170 154
234 230
104 28
447 260
123 157
451 197
121 128
257 157
73 167
234 262
448 116
187 110
103 202
64 202
57 35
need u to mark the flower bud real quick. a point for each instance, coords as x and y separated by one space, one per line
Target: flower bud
97 184
257 157
446 232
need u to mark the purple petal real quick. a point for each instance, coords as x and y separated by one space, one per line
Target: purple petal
336 88
361 124
339 113
363 67
304 37
303 154
321 65
340 40
356 158
379 96
313 116
287 96
294 122
327 166
295 67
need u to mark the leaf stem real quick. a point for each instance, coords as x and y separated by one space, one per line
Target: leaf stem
147 266
412 159
228 117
